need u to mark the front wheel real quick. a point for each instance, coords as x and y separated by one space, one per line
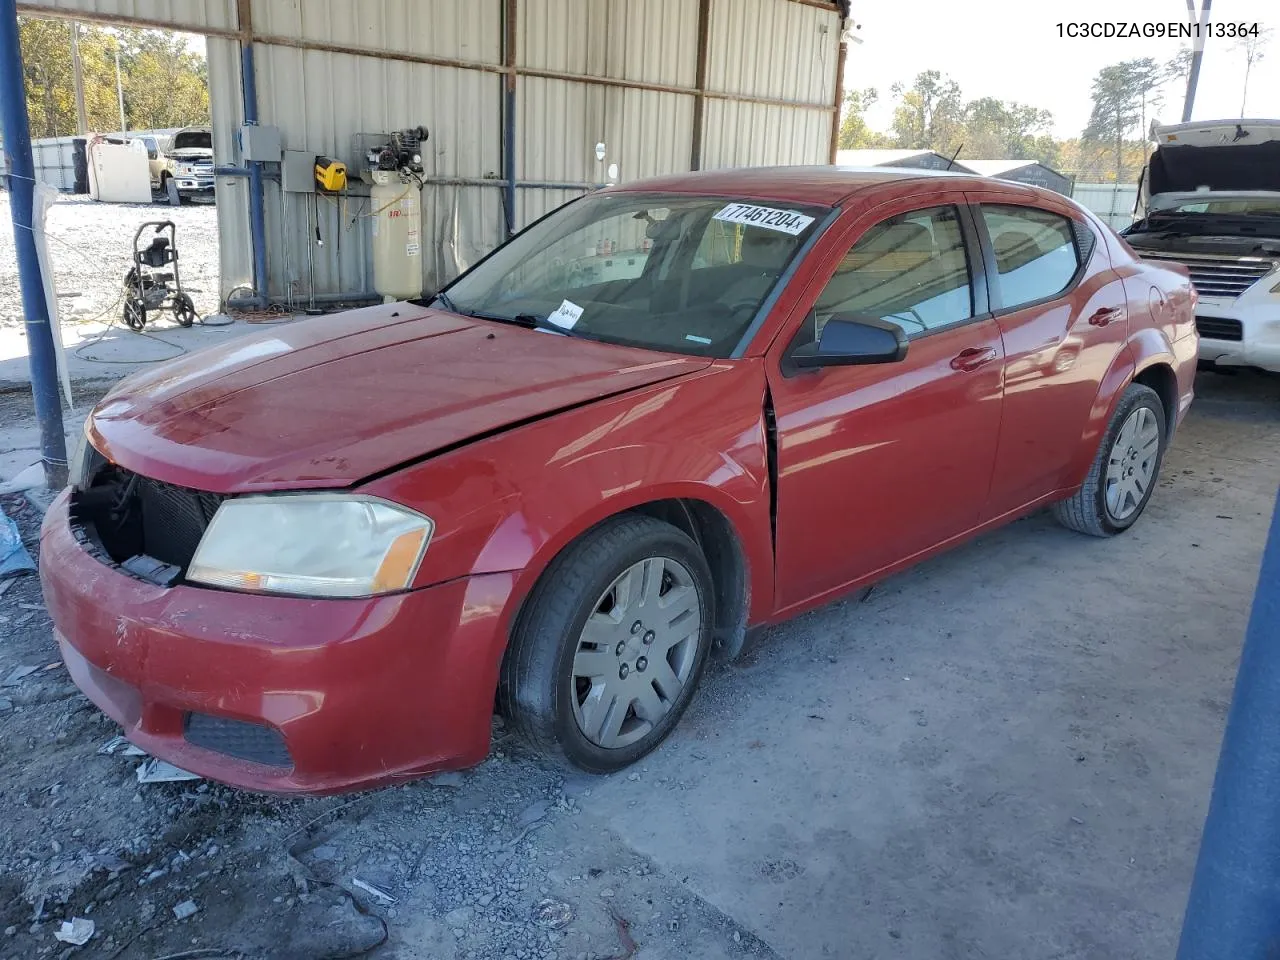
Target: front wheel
609 650
1124 472
184 310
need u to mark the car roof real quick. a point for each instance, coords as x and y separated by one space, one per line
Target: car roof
828 185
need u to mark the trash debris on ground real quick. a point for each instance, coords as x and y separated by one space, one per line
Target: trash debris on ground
17 675
119 742
76 931
186 909
373 891
161 771
26 479
552 914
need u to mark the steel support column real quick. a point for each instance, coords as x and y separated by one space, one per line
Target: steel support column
1233 912
35 308
510 12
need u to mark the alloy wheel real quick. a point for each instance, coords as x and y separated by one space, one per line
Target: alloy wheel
636 652
1131 467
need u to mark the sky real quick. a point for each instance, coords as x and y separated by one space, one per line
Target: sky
1011 50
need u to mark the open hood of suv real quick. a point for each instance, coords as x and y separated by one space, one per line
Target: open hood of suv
1226 155
330 401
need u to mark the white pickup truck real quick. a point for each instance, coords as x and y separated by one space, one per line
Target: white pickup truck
1210 199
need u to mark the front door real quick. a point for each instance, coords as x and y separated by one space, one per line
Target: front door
879 463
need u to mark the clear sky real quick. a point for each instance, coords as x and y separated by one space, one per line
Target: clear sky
1010 49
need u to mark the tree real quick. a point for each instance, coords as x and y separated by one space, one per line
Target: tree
929 115
1254 49
1122 94
854 132
1007 130
165 84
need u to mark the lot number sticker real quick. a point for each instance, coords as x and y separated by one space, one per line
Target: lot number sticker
566 315
784 221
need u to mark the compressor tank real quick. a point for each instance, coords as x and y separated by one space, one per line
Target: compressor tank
397 236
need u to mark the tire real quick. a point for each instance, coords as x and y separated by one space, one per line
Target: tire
184 311
1114 494
576 690
134 314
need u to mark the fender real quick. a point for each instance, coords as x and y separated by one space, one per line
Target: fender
513 501
1112 386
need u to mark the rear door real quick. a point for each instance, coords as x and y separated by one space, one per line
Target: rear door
878 463
1063 317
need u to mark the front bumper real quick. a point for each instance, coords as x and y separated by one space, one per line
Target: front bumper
1254 320
360 692
194 184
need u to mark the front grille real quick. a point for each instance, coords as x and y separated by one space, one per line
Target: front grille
1216 328
236 738
173 519
1222 277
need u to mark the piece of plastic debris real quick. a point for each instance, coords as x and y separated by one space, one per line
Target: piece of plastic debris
14 558
373 891
186 909
112 745
161 771
76 931
17 675
552 914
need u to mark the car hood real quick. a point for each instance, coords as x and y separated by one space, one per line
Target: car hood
327 402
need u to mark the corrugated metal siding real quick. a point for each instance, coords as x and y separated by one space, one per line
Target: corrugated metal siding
1113 202
457 29
756 134
763 48
651 41
459 107
193 15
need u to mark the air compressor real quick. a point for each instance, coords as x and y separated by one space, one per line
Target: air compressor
395 172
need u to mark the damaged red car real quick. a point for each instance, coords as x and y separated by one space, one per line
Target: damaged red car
320 557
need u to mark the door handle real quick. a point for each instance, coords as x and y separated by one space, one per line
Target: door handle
1104 315
973 358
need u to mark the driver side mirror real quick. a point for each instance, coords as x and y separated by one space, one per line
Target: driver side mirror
853 338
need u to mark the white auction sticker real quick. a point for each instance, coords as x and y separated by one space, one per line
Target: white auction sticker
566 315
785 221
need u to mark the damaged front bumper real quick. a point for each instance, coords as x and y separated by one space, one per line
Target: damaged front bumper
280 694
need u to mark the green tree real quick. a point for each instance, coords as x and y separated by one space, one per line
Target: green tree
854 132
1122 95
1008 130
929 114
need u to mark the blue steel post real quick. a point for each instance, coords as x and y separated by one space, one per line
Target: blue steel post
257 204
35 309
509 113
1233 912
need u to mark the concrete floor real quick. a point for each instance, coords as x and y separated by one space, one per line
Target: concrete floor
1006 752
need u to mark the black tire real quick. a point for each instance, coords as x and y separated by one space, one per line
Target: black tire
1087 510
536 688
134 314
184 310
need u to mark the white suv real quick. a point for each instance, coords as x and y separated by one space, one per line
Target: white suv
1210 199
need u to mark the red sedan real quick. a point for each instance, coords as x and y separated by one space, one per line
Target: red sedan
313 560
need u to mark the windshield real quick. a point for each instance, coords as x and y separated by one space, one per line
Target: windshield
679 273
1240 206
193 140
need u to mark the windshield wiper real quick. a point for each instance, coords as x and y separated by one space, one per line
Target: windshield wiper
527 320
445 302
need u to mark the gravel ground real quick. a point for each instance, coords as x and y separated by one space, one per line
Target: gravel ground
90 244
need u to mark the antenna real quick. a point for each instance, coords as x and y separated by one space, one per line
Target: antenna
952 161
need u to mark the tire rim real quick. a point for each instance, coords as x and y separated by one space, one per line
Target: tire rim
636 652
1132 464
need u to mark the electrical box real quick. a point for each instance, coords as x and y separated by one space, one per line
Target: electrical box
298 172
260 143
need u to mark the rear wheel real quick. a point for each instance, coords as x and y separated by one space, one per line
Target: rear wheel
1124 472
184 310
611 645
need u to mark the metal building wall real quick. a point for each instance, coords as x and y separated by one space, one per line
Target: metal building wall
625 73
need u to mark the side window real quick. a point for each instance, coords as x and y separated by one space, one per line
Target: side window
1035 250
912 270
152 150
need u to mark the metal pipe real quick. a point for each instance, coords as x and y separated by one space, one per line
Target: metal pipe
311 250
1197 55
124 124
257 194
77 79
1233 912
35 308
504 184
360 296
700 81
841 59
509 13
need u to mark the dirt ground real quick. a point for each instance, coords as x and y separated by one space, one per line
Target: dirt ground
1006 752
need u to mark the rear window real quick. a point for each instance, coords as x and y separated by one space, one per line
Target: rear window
1036 256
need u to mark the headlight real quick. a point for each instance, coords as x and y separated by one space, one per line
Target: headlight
321 545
